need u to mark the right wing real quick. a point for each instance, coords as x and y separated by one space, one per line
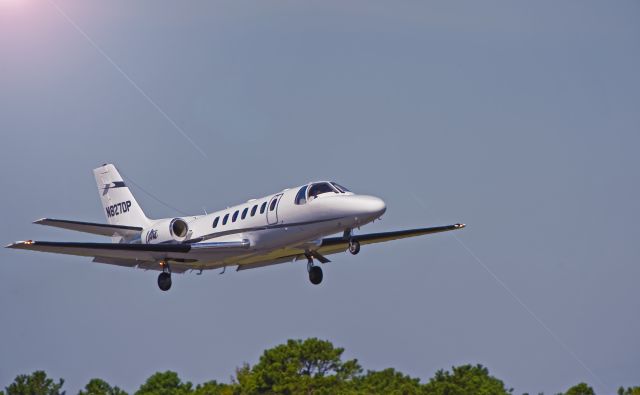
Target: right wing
93 228
146 256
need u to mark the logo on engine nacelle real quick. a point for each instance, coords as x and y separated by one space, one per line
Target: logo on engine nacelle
152 235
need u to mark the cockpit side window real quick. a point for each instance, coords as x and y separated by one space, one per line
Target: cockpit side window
301 197
340 187
320 188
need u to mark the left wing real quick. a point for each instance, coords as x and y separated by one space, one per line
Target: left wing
334 245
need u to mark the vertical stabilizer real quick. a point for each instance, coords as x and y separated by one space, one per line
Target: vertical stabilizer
119 205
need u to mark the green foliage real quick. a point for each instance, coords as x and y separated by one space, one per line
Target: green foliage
580 389
629 391
213 388
165 383
465 380
37 383
100 387
388 381
309 366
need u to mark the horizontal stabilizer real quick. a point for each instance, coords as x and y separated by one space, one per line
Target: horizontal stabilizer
93 228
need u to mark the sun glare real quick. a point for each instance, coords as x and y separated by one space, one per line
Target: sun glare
14 3
16 8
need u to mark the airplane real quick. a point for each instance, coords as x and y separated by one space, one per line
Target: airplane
287 226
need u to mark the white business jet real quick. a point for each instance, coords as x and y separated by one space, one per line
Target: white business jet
286 226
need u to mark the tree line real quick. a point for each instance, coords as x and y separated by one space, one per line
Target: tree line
310 367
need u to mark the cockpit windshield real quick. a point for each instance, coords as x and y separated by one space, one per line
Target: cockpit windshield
319 188
311 191
339 187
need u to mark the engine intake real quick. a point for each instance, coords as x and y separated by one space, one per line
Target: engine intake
179 228
166 231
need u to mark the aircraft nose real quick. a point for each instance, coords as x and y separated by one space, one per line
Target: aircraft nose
371 205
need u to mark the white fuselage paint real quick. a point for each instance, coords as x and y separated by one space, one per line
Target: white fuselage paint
299 227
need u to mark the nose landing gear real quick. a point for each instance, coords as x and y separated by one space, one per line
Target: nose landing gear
354 247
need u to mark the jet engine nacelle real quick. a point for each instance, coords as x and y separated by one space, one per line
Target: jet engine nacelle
166 231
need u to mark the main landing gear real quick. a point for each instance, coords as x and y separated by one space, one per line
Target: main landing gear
164 279
315 272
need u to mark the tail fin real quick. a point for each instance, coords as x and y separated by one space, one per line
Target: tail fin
121 208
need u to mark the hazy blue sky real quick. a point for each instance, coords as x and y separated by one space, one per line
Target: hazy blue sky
520 119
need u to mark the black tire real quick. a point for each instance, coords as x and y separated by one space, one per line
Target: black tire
354 247
164 281
315 275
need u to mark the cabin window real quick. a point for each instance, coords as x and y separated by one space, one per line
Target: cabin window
263 207
244 213
225 219
319 189
215 222
273 204
253 210
301 197
235 216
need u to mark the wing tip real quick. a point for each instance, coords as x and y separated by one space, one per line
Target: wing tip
40 221
20 244
459 226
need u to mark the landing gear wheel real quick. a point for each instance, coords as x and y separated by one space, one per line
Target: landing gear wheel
315 275
354 247
164 281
